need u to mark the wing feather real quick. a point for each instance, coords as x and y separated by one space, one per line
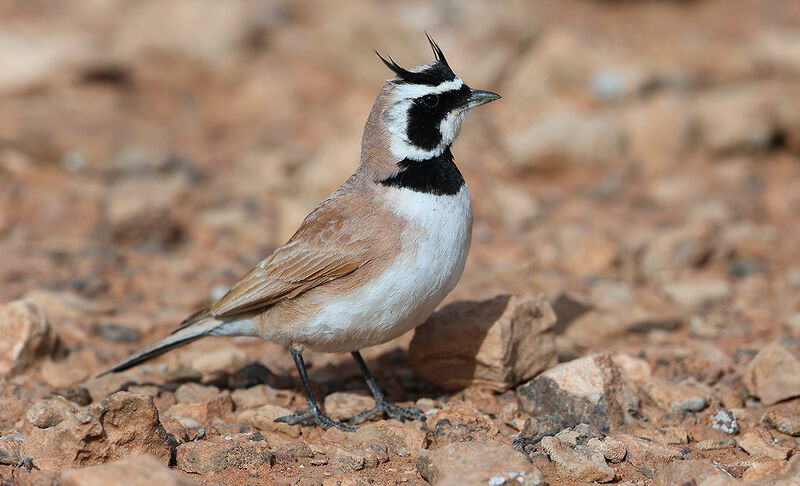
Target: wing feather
326 247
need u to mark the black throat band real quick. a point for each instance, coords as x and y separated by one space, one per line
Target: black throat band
438 175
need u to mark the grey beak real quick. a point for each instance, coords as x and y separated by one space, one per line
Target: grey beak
480 97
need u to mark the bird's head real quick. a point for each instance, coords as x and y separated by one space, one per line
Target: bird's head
423 107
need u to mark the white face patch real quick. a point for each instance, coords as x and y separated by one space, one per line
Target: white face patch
396 119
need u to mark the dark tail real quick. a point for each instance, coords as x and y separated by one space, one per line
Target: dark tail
188 333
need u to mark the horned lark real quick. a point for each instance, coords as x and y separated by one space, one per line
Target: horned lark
375 258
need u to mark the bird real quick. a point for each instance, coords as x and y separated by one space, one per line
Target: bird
372 260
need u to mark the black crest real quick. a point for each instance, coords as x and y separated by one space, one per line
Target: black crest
432 76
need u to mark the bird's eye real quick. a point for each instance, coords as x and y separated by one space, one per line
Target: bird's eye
430 100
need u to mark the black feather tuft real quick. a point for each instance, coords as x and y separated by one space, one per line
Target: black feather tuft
434 75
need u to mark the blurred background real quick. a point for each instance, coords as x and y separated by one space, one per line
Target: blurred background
644 160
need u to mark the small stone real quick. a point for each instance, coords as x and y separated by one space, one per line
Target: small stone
224 454
483 462
67 372
344 405
10 448
697 292
459 412
763 467
592 390
194 429
403 438
774 374
641 450
715 444
573 465
493 344
783 420
117 333
693 404
220 406
143 470
195 392
612 449
263 418
25 336
760 443
75 394
353 459
253 397
220 359
693 471
49 413
724 421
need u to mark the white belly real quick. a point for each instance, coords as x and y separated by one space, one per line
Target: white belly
435 246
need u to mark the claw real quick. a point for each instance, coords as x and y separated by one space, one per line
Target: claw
27 463
394 411
314 416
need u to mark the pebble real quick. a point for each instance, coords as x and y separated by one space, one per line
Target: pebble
225 454
25 336
482 462
263 418
774 374
783 420
345 405
574 465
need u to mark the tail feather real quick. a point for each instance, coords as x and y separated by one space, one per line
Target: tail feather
182 336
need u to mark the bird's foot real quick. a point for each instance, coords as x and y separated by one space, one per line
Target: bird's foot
315 416
394 411
27 464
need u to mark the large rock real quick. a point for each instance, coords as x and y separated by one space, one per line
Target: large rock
131 426
493 344
141 470
123 424
25 336
592 390
774 374
474 463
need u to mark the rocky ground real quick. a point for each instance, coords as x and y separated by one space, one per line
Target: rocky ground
630 312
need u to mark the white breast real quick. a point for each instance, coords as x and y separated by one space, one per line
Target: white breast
435 245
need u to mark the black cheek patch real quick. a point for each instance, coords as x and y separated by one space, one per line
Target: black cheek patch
423 122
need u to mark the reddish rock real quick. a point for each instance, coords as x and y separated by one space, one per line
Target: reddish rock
760 443
344 405
783 420
573 465
493 344
222 453
263 418
195 392
25 336
774 374
683 472
11 448
220 406
404 439
143 470
484 462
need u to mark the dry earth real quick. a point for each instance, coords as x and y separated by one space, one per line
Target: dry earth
636 197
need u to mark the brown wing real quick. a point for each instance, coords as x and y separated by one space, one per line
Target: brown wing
332 242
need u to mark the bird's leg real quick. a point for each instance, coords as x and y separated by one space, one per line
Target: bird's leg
381 403
313 413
